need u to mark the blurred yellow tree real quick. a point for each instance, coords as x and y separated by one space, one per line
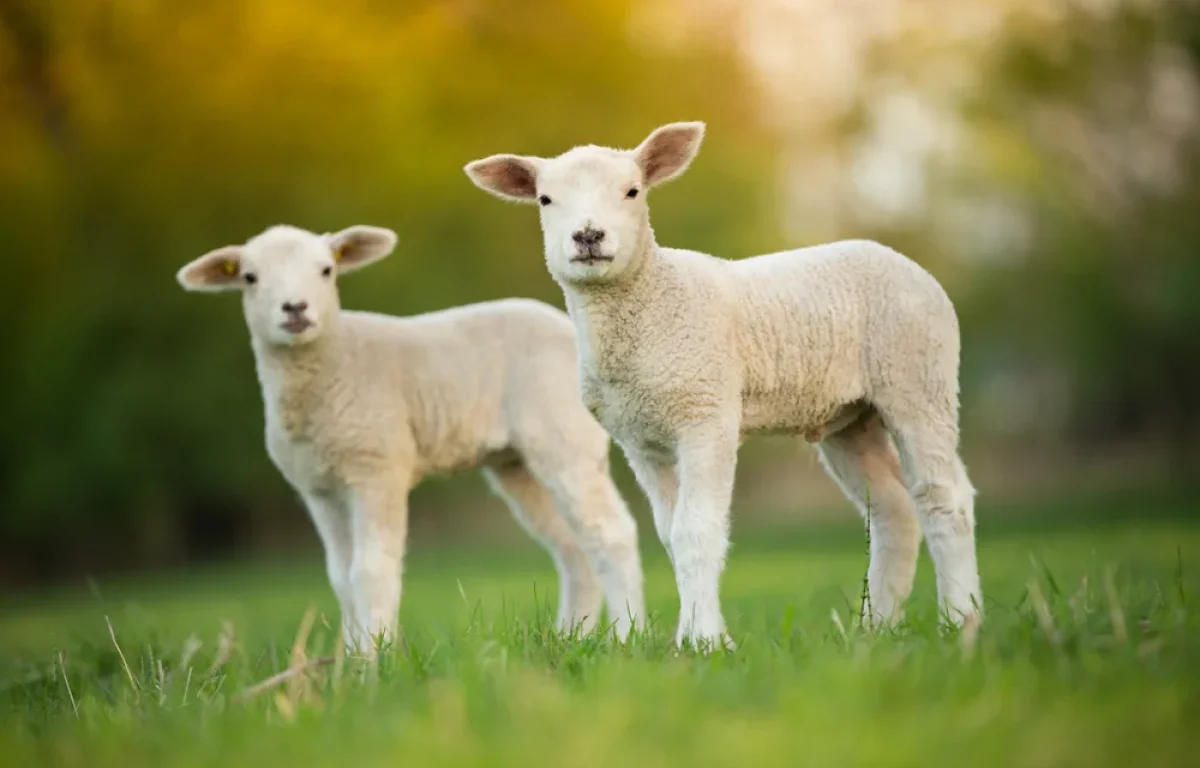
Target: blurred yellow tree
136 134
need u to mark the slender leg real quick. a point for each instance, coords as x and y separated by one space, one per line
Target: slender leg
332 521
945 503
661 484
607 533
707 461
379 529
579 591
862 461
595 510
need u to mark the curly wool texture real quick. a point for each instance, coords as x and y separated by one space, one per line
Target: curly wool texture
804 339
360 407
683 355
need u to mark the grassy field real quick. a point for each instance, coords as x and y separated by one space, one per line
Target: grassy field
1088 657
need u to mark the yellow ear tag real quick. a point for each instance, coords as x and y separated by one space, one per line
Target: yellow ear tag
337 255
230 268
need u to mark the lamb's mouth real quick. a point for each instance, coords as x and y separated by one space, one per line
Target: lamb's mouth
591 258
297 325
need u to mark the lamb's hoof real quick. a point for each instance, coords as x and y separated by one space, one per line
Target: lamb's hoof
706 645
963 620
969 631
880 622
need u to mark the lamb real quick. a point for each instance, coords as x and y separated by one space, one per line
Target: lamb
683 355
360 407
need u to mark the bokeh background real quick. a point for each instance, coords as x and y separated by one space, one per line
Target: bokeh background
1038 157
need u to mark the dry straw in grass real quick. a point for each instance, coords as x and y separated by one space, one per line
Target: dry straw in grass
125 664
865 616
295 677
62 664
225 646
1115 613
1042 610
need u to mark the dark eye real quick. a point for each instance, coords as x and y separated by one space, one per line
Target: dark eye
327 272
250 278
632 192
544 200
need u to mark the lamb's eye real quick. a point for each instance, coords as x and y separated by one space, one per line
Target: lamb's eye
250 278
544 200
327 272
632 192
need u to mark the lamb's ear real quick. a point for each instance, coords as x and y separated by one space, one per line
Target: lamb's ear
360 245
218 270
668 151
512 177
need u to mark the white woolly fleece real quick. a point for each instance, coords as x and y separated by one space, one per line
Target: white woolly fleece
360 407
683 355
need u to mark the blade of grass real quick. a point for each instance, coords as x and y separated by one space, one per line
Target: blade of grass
128 673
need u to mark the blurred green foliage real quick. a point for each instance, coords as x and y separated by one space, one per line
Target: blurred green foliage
135 135
1094 131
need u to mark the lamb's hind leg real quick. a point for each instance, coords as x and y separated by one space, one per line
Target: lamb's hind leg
589 502
927 441
579 591
860 458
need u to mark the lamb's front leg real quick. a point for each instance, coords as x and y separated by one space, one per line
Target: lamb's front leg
379 528
656 476
332 521
707 459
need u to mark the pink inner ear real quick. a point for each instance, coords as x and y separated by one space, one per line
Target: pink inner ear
666 153
509 176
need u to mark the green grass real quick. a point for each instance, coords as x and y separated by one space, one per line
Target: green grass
480 678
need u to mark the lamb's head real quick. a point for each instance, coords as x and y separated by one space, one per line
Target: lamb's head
287 277
595 217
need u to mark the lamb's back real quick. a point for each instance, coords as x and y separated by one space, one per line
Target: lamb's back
458 370
466 346
814 325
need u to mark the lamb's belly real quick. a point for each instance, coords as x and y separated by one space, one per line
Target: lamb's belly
780 414
465 448
645 423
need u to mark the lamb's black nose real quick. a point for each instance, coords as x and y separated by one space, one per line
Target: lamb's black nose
295 309
588 237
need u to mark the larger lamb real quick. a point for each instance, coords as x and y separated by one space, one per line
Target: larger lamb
683 354
360 407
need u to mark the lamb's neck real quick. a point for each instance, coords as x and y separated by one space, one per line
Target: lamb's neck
610 317
295 380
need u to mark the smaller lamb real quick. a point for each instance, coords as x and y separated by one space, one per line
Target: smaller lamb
683 354
360 407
